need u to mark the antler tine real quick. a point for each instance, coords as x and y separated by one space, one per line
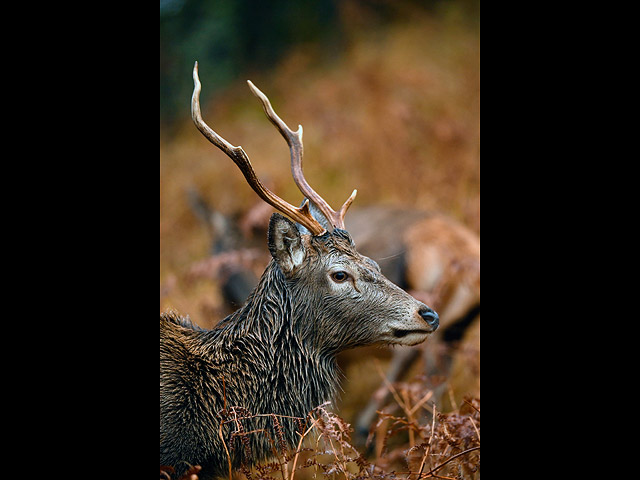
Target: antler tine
301 214
294 140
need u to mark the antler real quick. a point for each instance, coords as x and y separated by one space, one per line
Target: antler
294 140
301 214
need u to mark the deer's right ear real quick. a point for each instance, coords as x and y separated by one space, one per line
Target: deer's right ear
285 243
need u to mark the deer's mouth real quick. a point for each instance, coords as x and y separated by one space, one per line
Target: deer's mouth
409 337
398 333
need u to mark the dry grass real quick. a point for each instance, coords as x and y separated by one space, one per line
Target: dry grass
410 446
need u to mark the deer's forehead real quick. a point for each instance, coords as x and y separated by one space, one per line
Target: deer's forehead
336 249
337 256
334 244
347 256
342 251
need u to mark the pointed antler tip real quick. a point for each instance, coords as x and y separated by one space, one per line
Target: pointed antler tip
257 92
351 198
346 205
196 77
305 206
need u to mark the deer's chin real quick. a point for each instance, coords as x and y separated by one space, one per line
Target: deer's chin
409 337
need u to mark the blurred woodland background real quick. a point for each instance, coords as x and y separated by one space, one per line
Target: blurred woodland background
388 93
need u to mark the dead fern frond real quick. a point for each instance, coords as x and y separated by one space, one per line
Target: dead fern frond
447 445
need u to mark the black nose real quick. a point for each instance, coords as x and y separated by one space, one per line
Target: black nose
430 317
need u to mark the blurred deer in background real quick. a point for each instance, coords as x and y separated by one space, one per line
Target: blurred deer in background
276 355
234 253
437 260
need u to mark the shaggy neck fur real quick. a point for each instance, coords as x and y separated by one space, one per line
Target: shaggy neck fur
263 358
272 336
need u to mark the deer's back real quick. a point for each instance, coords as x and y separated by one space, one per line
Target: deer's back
189 397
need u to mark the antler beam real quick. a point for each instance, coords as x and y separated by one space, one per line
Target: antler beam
301 214
294 140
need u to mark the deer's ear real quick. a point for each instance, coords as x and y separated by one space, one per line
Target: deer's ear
285 243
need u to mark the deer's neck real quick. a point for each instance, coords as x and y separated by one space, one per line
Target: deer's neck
270 337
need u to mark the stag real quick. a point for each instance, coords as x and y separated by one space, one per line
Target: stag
275 357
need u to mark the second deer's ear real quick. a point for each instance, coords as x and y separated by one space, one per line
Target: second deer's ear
285 243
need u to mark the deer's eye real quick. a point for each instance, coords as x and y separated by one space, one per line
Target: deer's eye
339 277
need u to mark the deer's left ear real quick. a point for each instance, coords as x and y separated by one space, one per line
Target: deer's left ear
285 243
